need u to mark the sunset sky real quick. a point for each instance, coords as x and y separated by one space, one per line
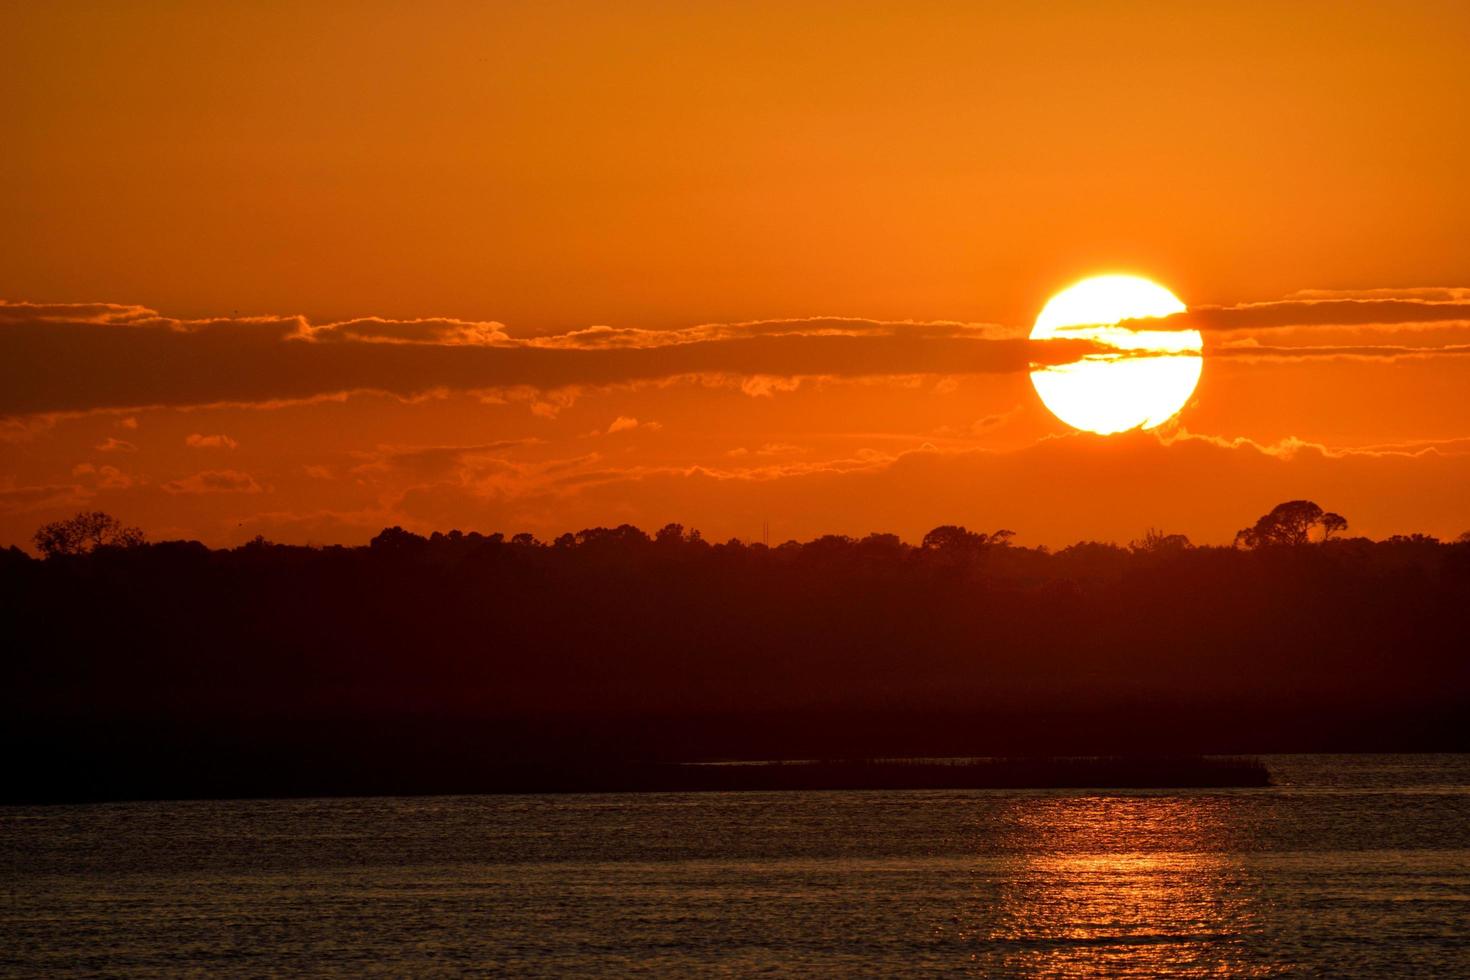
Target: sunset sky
309 270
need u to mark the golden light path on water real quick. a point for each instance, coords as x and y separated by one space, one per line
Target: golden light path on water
1144 384
1126 887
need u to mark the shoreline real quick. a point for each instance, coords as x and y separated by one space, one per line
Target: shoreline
581 777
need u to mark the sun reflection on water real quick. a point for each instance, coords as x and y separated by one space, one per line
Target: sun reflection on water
1141 886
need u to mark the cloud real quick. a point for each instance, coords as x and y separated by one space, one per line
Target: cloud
988 423
1362 352
14 429
102 477
14 312
127 357
766 385
120 357
214 481
111 445
22 500
1429 294
197 440
375 330
1374 311
626 423
1291 447
604 337
766 450
429 462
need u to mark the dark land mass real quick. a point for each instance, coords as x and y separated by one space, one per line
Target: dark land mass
464 663
280 777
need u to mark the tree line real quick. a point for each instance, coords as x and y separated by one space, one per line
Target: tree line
616 641
1293 523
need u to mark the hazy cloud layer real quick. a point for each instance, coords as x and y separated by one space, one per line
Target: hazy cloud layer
1206 486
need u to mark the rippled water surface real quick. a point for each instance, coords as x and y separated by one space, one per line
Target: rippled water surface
1351 865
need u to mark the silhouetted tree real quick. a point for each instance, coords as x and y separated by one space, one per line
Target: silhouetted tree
953 538
828 545
1412 539
623 534
1154 541
395 540
885 545
84 533
1289 524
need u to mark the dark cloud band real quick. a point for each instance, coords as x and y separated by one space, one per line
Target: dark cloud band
58 365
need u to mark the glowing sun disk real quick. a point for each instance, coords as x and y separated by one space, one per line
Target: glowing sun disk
1146 377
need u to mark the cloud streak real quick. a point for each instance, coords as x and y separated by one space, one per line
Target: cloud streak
1358 352
79 359
1312 312
1135 481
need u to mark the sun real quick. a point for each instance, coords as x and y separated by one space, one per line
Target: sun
1147 377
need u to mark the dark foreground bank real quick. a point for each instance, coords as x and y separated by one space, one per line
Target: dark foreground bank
1035 773
81 785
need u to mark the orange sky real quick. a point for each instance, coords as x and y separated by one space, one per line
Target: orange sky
376 239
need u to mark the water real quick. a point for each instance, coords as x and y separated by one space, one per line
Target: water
1352 865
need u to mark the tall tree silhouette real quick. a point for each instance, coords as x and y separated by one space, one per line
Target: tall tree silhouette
955 538
84 533
1155 540
1290 524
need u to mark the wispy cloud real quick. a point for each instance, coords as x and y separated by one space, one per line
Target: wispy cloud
214 481
197 440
